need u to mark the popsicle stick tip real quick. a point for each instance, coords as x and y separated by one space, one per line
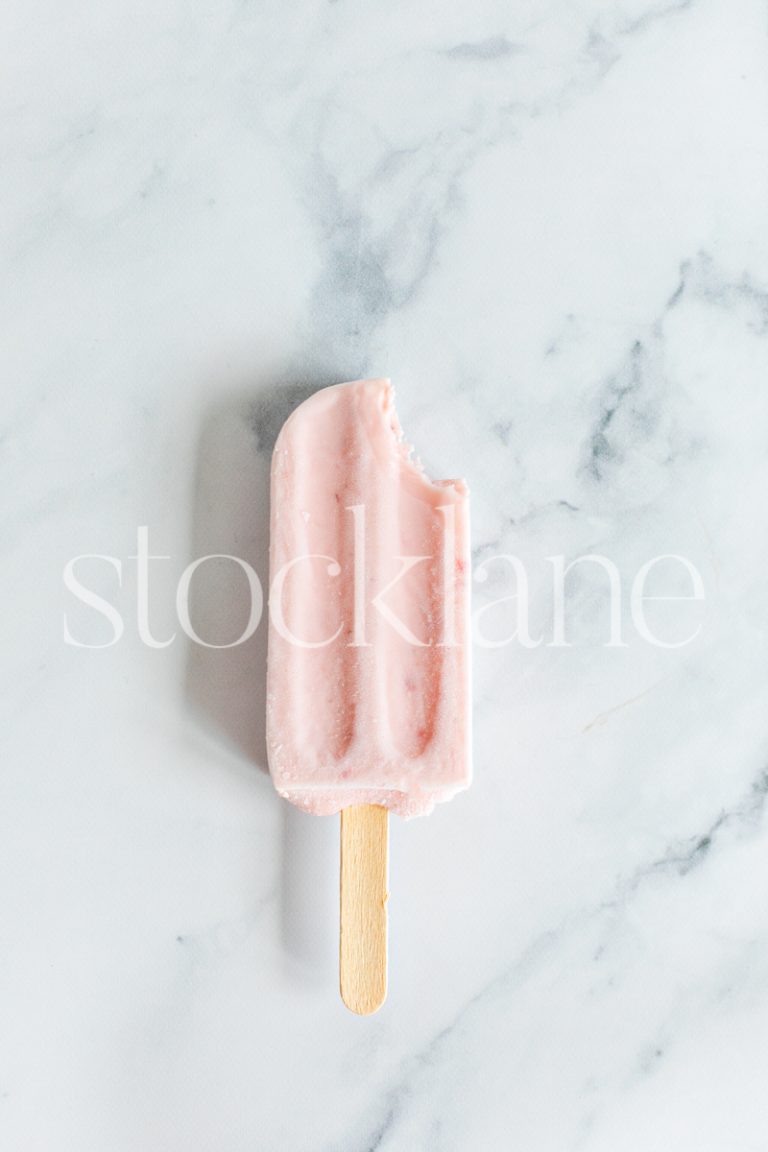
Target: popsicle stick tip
362 1006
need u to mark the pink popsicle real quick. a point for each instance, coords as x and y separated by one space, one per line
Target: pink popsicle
368 691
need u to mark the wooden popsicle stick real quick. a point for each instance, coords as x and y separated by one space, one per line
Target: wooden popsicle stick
363 936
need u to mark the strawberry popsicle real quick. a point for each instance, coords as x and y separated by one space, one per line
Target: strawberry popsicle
368 691
368 681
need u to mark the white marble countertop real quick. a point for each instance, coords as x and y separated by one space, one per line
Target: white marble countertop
547 223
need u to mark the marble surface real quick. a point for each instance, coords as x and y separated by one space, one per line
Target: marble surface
547 223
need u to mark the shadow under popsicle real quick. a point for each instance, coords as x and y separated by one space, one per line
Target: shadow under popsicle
226 687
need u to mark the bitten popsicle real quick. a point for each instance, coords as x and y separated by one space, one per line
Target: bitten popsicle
368 686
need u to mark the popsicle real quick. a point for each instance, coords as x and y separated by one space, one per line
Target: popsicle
368 686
